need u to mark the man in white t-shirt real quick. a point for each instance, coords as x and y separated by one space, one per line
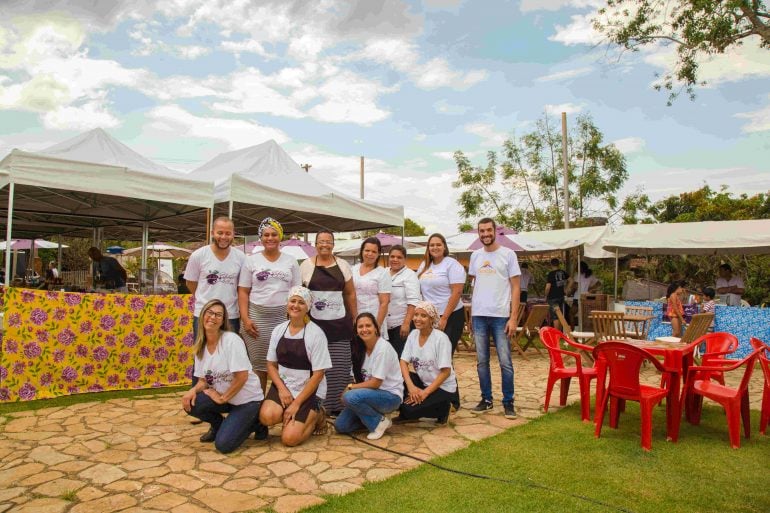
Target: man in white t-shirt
729 286
525 281
494 308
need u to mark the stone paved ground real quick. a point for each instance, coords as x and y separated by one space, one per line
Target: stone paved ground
142 454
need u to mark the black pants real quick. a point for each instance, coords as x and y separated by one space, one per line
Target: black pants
394 336
454 327
436 406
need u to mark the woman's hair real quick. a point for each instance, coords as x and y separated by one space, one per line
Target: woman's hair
370 240
672 288
427 259
585 270
319 232
398 247
358 348
200 339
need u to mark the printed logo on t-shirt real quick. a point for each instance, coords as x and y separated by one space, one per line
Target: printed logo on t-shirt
213 378
265 274
486 268
215 277
365 374
325 304
421 364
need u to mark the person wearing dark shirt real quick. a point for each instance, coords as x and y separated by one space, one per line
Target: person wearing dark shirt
554 290
108 273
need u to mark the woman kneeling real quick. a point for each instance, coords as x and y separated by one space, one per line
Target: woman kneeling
432 387
296 360
226 383
378 389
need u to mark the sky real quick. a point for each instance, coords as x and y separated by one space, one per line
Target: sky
403 83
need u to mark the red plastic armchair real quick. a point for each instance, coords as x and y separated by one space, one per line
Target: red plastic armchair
735 401
764 363
550 337
623 361
718 345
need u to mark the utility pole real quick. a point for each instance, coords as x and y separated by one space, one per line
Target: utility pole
566 167
306 167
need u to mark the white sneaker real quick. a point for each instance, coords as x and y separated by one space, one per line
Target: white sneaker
383 426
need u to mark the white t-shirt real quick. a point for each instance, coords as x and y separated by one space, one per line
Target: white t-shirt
526 279
317 352
368 290
584 284
429 359
435 282
405 291
492 272
730 299
383 364
217 369
217 279
269 282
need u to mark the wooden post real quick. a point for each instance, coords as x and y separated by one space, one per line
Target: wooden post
566 167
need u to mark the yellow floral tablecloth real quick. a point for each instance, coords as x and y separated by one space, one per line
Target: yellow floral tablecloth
61 343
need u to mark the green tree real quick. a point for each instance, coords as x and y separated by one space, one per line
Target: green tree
522 188
411 229
705 204
698 28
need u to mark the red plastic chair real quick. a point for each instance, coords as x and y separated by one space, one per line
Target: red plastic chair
764 363
735 401
550 337
718 345
623 361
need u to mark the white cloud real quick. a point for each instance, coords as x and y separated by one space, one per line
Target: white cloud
444 107
565 75
759 120
557 109
579 31
629 145
246 46
557 5
490 137
235 132
191 52
92 114
437 73
349 98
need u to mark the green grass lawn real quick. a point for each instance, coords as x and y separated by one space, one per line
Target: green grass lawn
701 473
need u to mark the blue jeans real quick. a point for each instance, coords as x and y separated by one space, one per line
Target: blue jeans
233 430
483 328
365 407
235 326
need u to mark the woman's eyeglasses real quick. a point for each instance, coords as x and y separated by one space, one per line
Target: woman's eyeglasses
215 315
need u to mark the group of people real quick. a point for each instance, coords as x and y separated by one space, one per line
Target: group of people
355 343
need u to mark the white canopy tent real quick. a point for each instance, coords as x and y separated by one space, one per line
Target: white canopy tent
263 180
93 183
590 238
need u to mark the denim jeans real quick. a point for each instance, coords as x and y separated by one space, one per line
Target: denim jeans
483 328
365 407
233 430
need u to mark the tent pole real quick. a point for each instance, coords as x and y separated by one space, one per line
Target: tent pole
230 209
616 275
145 239
8 234
58 255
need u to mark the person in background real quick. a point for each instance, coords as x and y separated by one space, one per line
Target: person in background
404 297
264 282
181 287
108 273
297 361
333 309
432 387
674 308
379 386
584 282
525 280
226 384
442 279
494 313
708 305
372 282
729 286
556 281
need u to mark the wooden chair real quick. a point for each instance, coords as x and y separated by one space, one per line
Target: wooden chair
608 325
527 333
585 337
638 329
698 327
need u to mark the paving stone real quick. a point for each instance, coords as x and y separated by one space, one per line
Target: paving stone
379 474
73 466
224 501
270 491
181 481
208 477
338 474
189 508
15 474
113 456
218 466
283 468
271 457
302 482
339 487
10 493
42 477
90 493
124 485
20 425
241 485
180 463
304 458
292 503
108 503
103 474
441 445
46 505
46 455
133 465
165 501
58 487
149 472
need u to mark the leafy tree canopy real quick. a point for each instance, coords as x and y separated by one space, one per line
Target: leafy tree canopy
698 28
411 229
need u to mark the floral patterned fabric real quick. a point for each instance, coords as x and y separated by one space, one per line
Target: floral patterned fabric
61 343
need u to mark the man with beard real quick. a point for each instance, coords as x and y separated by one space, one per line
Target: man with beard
494 307
212 273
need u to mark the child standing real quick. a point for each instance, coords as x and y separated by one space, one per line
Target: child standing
675 309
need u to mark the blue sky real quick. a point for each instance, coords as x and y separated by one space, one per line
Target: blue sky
404 83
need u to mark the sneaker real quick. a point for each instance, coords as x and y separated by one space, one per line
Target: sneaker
209 436
384 424
261 432
510 411
483 407
195 422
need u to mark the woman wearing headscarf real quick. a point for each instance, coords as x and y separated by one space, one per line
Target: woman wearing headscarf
442 279
372 283
297 360
226 383
432 387
378 387
265 280
405 294
333 310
